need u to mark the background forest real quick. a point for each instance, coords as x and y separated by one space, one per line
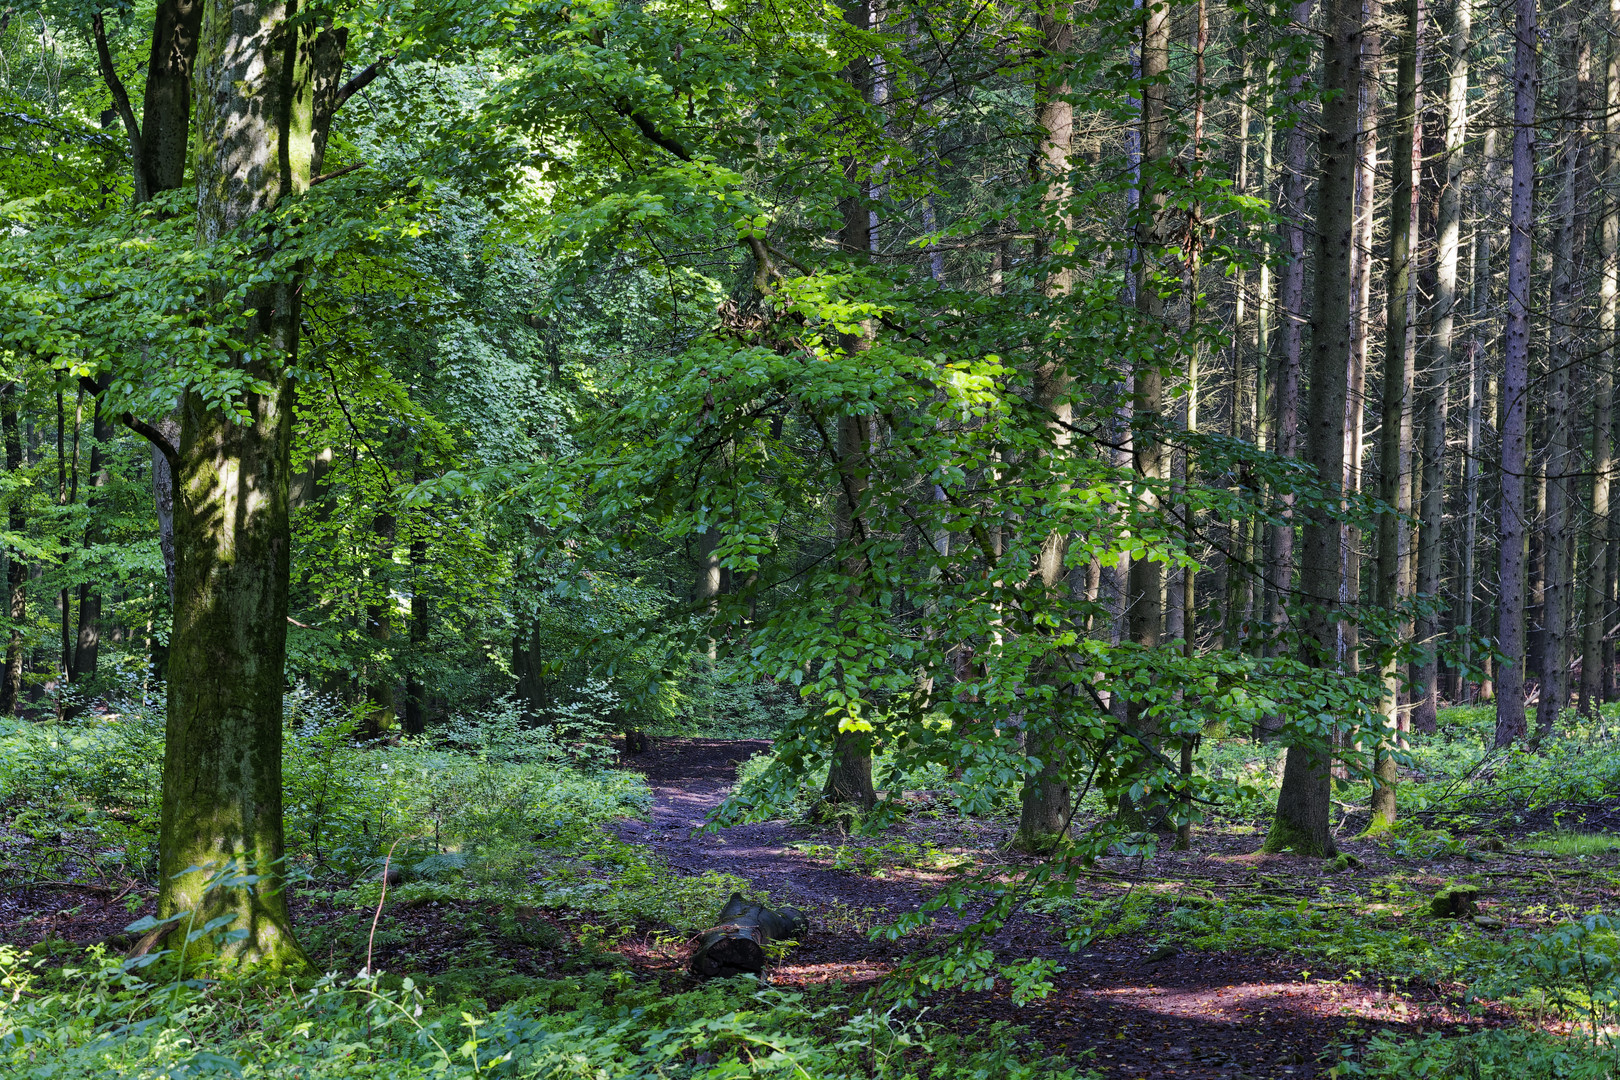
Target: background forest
1038 453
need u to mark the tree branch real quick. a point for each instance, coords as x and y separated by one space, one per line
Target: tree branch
153 436
653 135
120 103
361 80
346 170
138 426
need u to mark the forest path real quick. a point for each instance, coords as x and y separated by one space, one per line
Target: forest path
691 777
1191 1016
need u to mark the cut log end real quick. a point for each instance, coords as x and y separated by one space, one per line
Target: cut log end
735 946
729 955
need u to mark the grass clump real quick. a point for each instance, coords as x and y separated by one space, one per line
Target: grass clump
1572 844
109 1018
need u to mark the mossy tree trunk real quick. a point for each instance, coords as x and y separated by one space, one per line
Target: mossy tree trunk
222 810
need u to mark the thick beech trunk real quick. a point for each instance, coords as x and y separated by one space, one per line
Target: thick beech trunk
1510 717
706 586
1301 823
222 758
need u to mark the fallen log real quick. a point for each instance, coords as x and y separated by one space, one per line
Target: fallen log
735 945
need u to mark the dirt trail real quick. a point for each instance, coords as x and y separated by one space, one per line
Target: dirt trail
1191 1016
690 778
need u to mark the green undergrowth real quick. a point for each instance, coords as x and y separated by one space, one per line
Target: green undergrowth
1492 1054
486 811
1570 970
111 1018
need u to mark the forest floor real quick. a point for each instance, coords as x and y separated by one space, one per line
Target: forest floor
1120 1004
1212 963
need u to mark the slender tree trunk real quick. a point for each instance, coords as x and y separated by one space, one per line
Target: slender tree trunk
1575 62
1400 363
1510 717
1235 583
1481 284
1145 602
87 649
1426 697
381 710
1046 803
1597 567
415 691
1303 804
1190 260
1287 345
222 753
706 589
1348 655
16 568
849 772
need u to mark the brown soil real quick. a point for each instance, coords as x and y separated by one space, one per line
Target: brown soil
1192 1015
1112 1007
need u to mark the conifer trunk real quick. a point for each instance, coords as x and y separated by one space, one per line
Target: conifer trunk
1562 356
1046 803
1597 564
849 772
1145 600
1510 716
1448 250
1285 359
1302 823
1400 364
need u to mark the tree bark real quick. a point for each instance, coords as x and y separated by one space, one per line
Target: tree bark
706 587
1597 565
16 568
415 691
849 772
87 649
1575 64
1400 365
1303 804
1448 250
1145 588
381 709
1285 359
1510 716
1045 801
256 119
